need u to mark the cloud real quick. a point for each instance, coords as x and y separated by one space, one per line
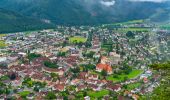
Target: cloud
107 3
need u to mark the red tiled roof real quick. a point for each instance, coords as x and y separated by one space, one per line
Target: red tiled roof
59 87
104 67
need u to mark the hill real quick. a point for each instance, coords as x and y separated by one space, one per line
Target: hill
14 22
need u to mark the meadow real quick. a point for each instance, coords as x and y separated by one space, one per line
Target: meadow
121 77
77 39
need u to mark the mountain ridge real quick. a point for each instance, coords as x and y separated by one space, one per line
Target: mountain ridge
88 12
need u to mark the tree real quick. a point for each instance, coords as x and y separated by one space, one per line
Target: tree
7 91
61 54
85 69
50 96
113 94
125 78
130 34
104 73
36 88
115 76
50 64
32 56
12 76
54 75
65 97
89 54
88 66
75 70
125 86
88 44
84 93
127 69
3 66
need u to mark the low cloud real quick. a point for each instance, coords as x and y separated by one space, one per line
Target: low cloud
108 3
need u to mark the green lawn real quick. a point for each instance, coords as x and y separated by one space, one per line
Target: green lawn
97 94
106 46
133 74
77 39
130 22
24 93
79 95
5 77
1 35
2 44
133 86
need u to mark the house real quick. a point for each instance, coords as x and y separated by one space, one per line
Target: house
59 87
83 75
86 98
17 82
81 87
71 97
75 82
115 58
63 80
88 81
115 88
60 98
94 87
9 61
30 96
135 97
127 93
60 71
50 84
145 80
144 76
100 83
37 77
104 60
148 72
93 77
104 65
47 79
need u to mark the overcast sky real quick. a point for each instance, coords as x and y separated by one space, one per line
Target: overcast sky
112 2
151 0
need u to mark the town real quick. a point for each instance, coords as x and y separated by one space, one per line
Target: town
107 62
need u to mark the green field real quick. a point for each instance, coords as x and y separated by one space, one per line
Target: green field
24 93
132 75
77 39
97 94
130 22
126 23
133 86
106 46
1 35
2 44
